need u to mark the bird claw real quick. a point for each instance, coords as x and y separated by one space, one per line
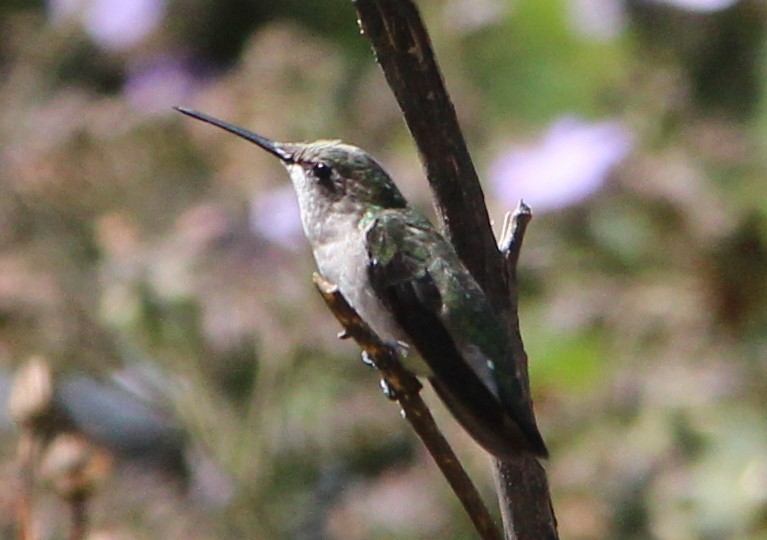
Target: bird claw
367 360
388 391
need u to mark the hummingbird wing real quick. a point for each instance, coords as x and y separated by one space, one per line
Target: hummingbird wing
452 325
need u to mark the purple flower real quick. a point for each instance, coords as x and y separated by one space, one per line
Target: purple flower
701 6
120 24
59 10
570 163
157 83
112 24
600 20
274 215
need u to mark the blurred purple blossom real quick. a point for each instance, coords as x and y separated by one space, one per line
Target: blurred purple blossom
466 16
157 83
112 24
601 20
60 10
570 163
274 215
702 6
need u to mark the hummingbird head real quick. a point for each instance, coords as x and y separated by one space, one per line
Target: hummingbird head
327 175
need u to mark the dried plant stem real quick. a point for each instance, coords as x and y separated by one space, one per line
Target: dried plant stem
28 451
78 507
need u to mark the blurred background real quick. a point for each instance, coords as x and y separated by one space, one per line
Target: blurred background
156 305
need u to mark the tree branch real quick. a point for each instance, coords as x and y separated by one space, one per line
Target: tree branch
406 390
403 49
510 245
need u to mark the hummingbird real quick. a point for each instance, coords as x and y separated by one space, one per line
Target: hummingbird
407 283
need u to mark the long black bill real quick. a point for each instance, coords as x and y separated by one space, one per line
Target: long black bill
267 144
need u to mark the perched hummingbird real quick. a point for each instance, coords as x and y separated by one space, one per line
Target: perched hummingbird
407 282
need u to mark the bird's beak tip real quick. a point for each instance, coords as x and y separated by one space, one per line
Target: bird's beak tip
270 146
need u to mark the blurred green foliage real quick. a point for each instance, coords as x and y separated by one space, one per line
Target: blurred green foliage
125 240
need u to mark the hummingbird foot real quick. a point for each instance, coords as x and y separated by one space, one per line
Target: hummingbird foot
399 347
367 360
390 393
402 348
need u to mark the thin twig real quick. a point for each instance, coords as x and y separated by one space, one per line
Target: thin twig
406 389
510 245
78 507
521 479
513 233
28 450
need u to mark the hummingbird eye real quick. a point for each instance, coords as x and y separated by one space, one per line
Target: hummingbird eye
322 172
324 175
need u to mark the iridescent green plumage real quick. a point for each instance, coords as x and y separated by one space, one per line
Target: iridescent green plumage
415 270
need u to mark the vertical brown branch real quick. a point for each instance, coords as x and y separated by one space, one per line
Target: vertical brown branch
403 49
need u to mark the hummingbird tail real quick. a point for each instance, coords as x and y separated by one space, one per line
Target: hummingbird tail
502 431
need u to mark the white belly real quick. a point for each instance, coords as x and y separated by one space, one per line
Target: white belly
345 263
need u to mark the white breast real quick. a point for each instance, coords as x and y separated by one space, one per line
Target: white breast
341 256
344 262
